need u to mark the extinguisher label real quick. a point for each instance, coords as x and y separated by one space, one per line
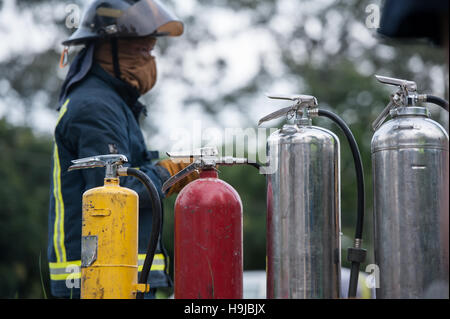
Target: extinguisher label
89 246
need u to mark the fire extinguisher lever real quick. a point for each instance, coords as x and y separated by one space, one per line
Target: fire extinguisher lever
111 161
203 158
406 95
407 86
304 107
180 175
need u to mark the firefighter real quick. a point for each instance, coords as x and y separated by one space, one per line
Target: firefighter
99 113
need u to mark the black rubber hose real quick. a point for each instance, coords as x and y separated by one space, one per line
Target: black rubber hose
255 165
358 167
156 223
354 271
353 281
438 101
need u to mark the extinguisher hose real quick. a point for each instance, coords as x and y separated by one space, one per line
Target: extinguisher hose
156 223
438 101
355 254
255 165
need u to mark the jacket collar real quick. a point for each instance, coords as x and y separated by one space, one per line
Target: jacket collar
78 70
127 92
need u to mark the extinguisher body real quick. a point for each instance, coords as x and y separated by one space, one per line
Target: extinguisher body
410 165
303 216
208 240
109 256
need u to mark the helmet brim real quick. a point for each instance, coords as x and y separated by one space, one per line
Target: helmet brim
143 18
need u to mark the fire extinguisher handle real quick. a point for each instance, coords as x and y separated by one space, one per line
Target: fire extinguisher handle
405 95
299 98
111 161
409 86
204 158
303 105
383 115
276 114
180 175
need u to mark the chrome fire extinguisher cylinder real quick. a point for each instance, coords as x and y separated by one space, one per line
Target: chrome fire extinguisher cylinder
303 202
410 165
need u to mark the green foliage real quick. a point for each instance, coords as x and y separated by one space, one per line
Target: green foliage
23 220
251 186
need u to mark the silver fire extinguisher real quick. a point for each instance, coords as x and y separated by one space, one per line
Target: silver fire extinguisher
303 205
410 165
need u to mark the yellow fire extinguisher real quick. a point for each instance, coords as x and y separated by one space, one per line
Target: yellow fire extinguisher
109 243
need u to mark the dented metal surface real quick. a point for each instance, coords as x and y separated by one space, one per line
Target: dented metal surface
208 240
110 223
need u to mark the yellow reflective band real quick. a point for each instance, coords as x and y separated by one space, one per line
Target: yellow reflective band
65 270
153 268
58 228
158 262
65 264
73 275
156 257
62 111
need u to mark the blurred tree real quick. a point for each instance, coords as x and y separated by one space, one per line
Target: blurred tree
24 172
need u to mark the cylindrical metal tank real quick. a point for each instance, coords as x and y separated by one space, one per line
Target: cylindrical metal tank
410 165
208 240
303 217
109 262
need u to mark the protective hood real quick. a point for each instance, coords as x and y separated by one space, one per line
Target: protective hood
79 68
125 18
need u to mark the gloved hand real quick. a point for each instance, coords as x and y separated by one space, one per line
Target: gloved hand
173 168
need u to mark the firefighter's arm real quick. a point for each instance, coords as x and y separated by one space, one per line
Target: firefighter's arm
93 129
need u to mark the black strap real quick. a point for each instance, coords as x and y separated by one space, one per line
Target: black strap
115 57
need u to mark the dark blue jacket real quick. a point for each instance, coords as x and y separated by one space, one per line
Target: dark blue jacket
406 19
99 116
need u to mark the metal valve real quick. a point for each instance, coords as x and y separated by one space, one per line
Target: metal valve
111 161
407 86
405 96
203 158
304 107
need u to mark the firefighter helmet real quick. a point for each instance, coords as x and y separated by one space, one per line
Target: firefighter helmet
105 19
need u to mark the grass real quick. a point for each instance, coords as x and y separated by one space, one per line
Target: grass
40 273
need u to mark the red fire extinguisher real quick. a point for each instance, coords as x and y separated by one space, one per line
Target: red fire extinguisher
208 231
